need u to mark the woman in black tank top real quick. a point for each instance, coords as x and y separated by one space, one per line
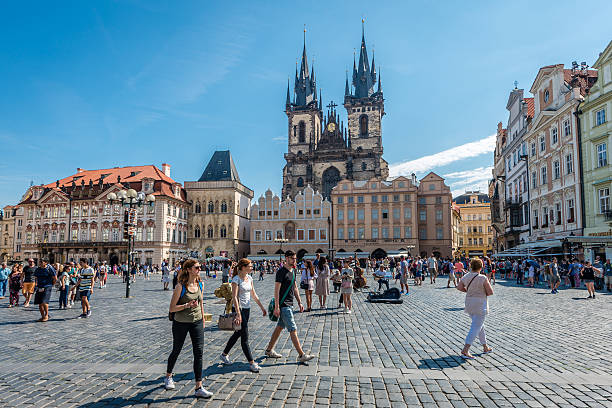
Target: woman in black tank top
588 276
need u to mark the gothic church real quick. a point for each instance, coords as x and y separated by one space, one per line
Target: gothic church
321 150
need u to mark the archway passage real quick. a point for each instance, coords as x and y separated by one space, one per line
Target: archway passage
114 259
331 177
261 252
379 253
301 253
279 252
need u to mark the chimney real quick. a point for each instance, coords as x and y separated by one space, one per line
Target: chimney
80 170
166 169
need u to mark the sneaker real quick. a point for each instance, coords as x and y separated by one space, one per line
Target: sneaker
272 354
225 359
203 393
305 357
169 383
89 313
254 367
401 292
349 311
593 296
82 316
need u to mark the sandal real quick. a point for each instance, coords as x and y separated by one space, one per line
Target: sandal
467 356
490 350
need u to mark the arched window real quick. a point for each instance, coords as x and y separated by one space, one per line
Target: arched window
223 207
196 232
209 231
302 132
300 182
211 207
198 209
363 125
223 232
363 166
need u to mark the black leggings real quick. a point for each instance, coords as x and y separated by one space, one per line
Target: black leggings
242 334
179 332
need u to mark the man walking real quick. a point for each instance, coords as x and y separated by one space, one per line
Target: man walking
28 282
608 275
433 269
403 275
555 279
286 286
86 287
45 277
4 274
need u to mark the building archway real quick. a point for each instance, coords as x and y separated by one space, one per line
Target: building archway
279 252
301 253
379 253
261 252
330 178
319 251
114 259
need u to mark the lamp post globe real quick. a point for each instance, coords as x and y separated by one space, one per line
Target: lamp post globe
131 193
112 197
151 198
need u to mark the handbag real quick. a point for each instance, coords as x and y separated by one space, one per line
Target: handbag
304 285
171 314
227 322
271 305
346 283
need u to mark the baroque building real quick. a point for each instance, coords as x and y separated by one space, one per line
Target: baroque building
321 150
73 218
303 222
475 231
7 231
219 217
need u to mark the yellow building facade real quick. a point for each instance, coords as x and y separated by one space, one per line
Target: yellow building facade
475 231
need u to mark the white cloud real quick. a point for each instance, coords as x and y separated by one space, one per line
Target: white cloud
443 158
475 179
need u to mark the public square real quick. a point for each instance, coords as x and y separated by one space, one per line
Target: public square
549 350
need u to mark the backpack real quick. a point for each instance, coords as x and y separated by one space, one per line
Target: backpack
183 290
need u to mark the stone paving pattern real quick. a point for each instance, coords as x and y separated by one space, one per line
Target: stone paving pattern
549 350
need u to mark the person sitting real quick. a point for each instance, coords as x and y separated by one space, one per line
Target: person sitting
381 276
359 281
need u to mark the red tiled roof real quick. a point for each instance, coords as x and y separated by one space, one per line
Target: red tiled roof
530 107
128 174
584 81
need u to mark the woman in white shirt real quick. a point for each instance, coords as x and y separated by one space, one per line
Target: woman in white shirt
242 291
477 288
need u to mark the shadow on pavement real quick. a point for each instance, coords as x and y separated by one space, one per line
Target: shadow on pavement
138 399
144 319
453 309
440 362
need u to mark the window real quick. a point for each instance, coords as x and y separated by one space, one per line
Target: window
480 229
374 198
396 198
269 235
407 232
604 200
351 199
407 213
569 164
279 234
439 233
558 213
340 233
385 214
544 216
340 200
401 184
406 197
211 207
223 207
533 149
300 182
363 166
374 214
210 233
542 144
546 96
340 215
351 233
460 241
257 235
374 233
423 215
438 200
302 132
300 234
396 213
105 235
543 174
322 234
360 199
149 233
115 234
535 219
438 215
534 180
385 199
168 236
602 155
385 232
567 128
422 200
360 233
555 135
600 117
570 210
556 169
312 235
363 126
423 233
360 214
397 232
351 214
470 241
196 232
75 211
480 241
373 185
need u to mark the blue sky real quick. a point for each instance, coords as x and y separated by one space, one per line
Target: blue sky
116 83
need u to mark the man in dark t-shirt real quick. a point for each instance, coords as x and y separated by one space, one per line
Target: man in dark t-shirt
45 278
28 281
284 290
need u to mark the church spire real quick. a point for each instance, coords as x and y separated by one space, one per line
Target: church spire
347 90
288 101
305 86
379 82
363 78
373 70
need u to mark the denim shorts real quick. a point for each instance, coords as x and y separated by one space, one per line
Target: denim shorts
286 320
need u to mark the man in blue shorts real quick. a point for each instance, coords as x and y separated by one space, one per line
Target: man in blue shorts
85 287
45 278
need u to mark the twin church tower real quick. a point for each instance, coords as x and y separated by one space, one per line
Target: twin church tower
321 150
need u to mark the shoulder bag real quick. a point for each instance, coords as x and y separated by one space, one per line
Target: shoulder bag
171 314
271 304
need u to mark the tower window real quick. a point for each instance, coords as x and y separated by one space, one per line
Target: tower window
300 182
363 166
302 132
363 125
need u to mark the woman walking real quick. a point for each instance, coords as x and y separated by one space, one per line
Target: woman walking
476 287
242 292
308 278
14 281
322 289
188 307
588 276
347 288
64 287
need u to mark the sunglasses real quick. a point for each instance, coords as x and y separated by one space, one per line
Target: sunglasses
198 266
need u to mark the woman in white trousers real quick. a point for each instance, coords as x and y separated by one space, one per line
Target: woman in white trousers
477 288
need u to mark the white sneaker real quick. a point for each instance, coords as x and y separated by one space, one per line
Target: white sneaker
345 310
254 367
169 383
272 354
225 359
305 357
349 311
203 393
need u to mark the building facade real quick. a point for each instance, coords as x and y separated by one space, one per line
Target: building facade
497 188
73 218
381 217
475 231
7 233
219 216
552 144
303 222
596 139
321 150
455 228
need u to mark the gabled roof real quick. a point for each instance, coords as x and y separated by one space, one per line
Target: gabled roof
220 168
530 107
603 56
127 174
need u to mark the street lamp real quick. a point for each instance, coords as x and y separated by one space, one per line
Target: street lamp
281 241
130 200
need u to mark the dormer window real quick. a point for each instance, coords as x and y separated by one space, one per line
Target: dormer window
546 96
147 186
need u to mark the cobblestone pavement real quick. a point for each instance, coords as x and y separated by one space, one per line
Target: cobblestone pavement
549 350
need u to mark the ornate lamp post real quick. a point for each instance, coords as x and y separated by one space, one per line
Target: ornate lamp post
281 241
130 200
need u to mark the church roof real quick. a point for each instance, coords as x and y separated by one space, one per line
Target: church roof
465 198
220 168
